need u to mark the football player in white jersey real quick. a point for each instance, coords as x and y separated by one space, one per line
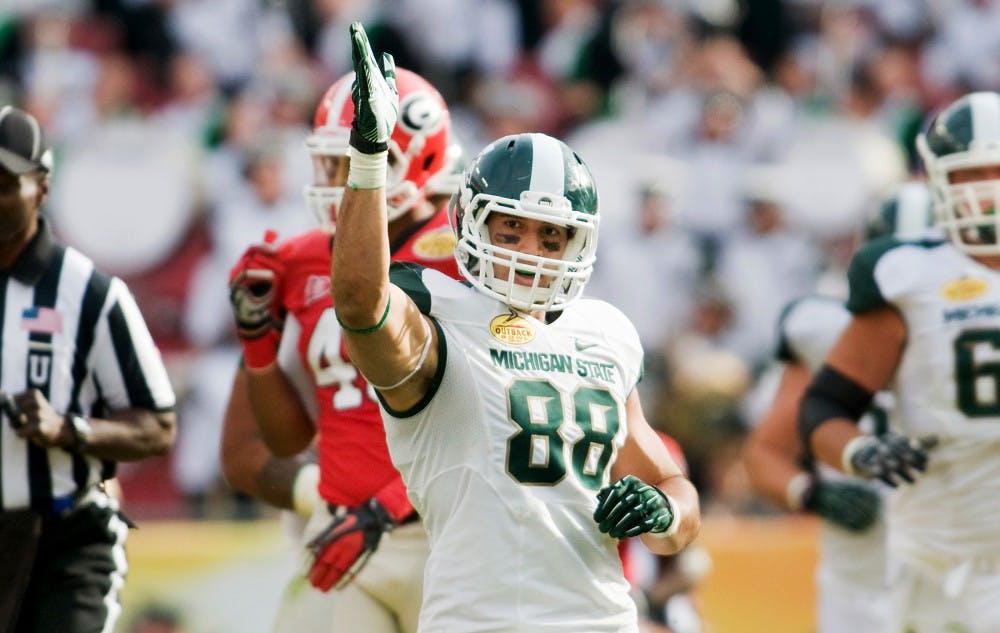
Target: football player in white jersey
509 402
926 319
851 572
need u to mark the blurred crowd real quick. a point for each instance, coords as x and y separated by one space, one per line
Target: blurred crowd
737 147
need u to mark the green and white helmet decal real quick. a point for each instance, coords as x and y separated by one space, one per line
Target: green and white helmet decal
533 176
907 213
965 135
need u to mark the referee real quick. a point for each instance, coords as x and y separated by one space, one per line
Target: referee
82 386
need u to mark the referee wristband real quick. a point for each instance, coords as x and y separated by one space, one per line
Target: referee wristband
366 330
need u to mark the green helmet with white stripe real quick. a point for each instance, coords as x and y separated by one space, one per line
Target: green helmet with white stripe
906 213
533 176
965 135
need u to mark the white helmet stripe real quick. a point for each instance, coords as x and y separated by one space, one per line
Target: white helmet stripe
913 211
985 117
548 170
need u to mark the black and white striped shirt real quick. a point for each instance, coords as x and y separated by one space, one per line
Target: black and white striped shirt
77 335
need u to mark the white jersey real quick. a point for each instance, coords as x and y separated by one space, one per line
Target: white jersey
504 458
808 328
947 384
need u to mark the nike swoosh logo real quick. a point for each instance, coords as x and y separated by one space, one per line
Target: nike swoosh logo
582 347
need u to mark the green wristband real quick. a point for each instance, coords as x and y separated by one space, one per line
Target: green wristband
366 330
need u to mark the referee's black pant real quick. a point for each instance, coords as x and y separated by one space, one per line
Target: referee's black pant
76 573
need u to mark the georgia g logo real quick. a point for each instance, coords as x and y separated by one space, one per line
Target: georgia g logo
420 113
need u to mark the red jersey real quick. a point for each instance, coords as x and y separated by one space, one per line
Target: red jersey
353 458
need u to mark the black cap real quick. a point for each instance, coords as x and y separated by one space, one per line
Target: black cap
22 145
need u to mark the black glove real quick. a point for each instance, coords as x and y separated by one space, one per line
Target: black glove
850 505
341 550
889 457
630 507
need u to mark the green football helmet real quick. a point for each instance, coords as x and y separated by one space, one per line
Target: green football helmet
533 176
907 213
963 135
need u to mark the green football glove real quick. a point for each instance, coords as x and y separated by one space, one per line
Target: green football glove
376 100
850 505
890 457
630 507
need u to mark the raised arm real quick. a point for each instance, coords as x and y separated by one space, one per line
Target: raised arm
386 336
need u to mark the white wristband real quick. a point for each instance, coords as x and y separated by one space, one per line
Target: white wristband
796 490
367 171
850 449
305 490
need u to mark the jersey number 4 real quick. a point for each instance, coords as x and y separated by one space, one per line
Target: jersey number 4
537 452
329 368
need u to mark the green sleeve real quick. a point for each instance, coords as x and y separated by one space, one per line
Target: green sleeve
864 294
408 277
784 351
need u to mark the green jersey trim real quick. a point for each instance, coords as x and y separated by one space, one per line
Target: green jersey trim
408 277
865 294
784 351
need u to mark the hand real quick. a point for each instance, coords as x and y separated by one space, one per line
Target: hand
851 505
630 507
341 550
33 418
254 283
889 457
376 99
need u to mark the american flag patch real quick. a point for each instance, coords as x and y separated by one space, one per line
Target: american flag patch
41 320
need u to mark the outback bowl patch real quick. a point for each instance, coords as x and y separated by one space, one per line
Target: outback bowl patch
965 289
436 244
511 328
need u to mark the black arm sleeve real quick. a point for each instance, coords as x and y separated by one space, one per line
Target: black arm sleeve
831 395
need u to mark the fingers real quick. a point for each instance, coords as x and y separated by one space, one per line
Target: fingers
359 45
363 58
389 71
616 512
15 416
341 557
609 498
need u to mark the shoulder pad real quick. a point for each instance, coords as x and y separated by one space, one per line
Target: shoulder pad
865 293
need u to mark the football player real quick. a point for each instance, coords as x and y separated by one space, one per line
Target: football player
926 319
300 387
509 402
851 574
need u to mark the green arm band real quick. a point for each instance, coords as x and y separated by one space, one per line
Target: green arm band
366 330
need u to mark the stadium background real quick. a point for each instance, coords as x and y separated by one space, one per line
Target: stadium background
737 146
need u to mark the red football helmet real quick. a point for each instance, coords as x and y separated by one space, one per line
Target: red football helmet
417 149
